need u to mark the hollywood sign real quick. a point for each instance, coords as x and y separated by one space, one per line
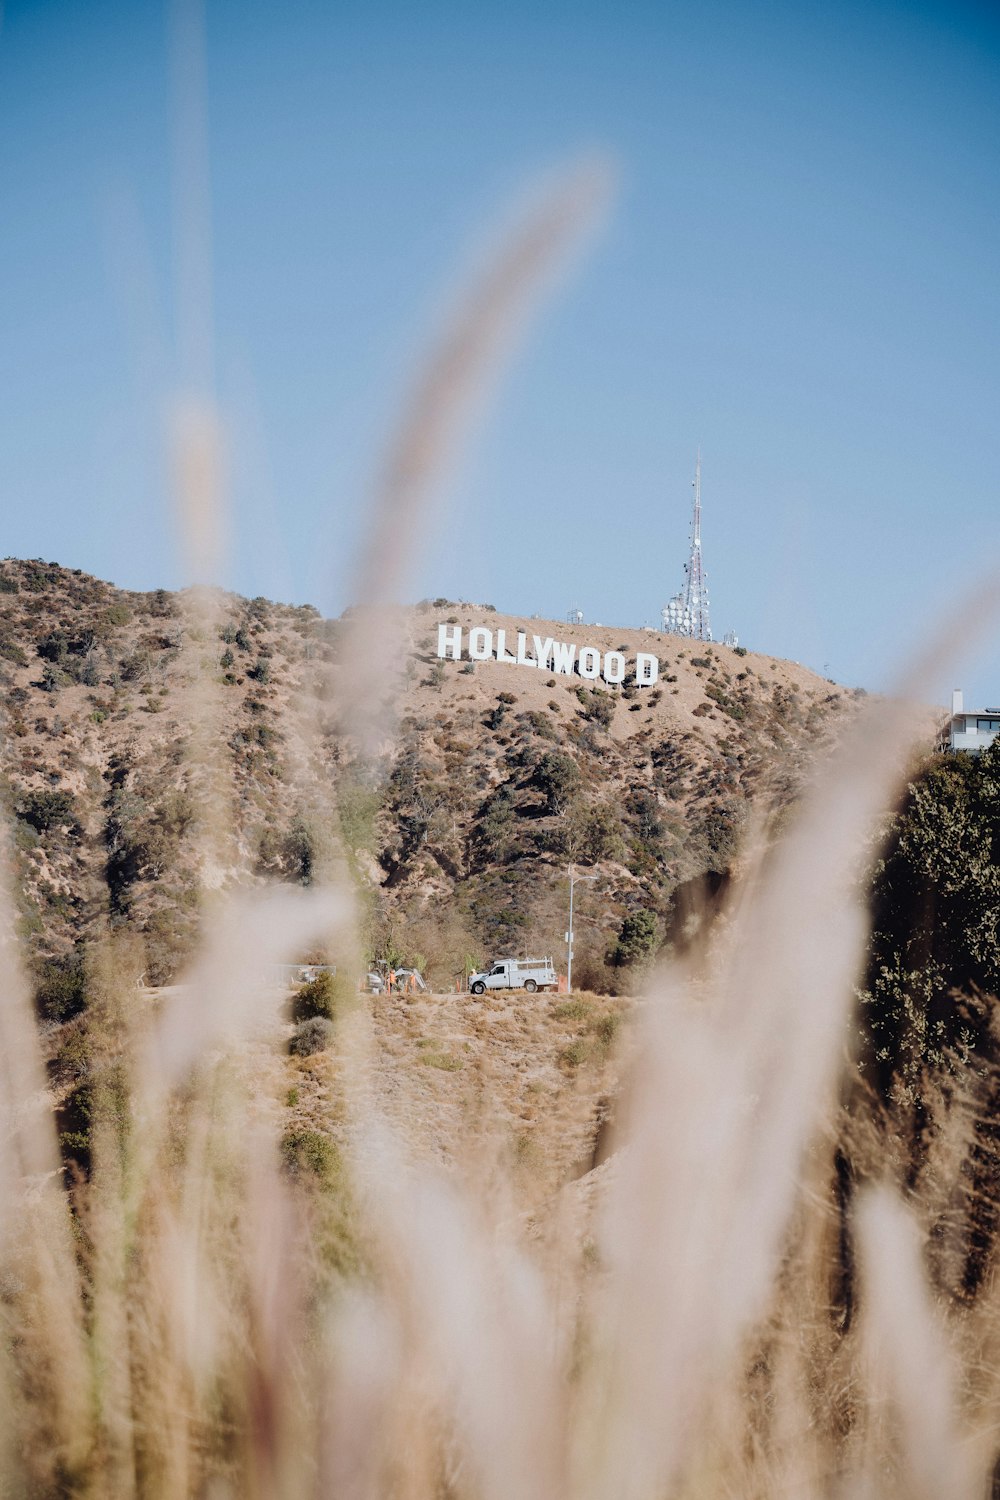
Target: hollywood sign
546 654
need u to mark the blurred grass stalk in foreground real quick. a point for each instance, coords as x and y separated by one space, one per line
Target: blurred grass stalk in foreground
222 1310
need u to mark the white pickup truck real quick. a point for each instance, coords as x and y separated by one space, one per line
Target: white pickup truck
515 974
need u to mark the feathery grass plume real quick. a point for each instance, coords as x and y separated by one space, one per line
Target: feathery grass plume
730 1092
475 1323
196 434
229 995
478 335
44 1378
912 1366
201 1268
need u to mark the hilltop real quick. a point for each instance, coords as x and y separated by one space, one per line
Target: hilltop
458 832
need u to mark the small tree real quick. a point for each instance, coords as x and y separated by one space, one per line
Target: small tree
558 777
47 810
61 992
317 998
636 940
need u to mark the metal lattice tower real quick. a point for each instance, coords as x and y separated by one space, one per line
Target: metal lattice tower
687 612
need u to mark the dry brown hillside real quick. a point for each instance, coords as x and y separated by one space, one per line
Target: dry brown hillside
459 833
505 774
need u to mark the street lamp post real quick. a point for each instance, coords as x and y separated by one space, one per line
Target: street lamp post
573 880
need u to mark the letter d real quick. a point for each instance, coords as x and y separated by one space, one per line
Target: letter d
647 668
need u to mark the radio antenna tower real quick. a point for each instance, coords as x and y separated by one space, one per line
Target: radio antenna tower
687 612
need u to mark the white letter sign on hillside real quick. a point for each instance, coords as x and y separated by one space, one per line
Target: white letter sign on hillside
450 641
614 667
480 644
647 668
550 655
502 653
589 662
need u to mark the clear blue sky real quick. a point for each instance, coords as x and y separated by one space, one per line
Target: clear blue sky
800 275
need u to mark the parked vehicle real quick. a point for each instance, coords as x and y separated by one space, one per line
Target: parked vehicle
410 979
382 978
515 974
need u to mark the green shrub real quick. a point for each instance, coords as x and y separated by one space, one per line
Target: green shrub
317 998
934 950
541 724
47 810
446 1062
72 1061
599 706
61 991
607 1027
636 940
572 1010
309 1153
558 777
314 1034
53 647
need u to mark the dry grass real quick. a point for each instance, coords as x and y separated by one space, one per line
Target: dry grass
229 1307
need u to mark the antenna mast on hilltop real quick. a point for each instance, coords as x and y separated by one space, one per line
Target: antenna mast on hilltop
687 612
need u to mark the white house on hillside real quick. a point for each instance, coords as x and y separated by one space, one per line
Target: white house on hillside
971 729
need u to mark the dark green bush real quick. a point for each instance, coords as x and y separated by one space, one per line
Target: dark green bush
47 810
558 777
317 998
61 991
53 647
495 826
636 940
72 1061
935 944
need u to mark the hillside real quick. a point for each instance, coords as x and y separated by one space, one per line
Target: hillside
482 813
459 832
160 748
